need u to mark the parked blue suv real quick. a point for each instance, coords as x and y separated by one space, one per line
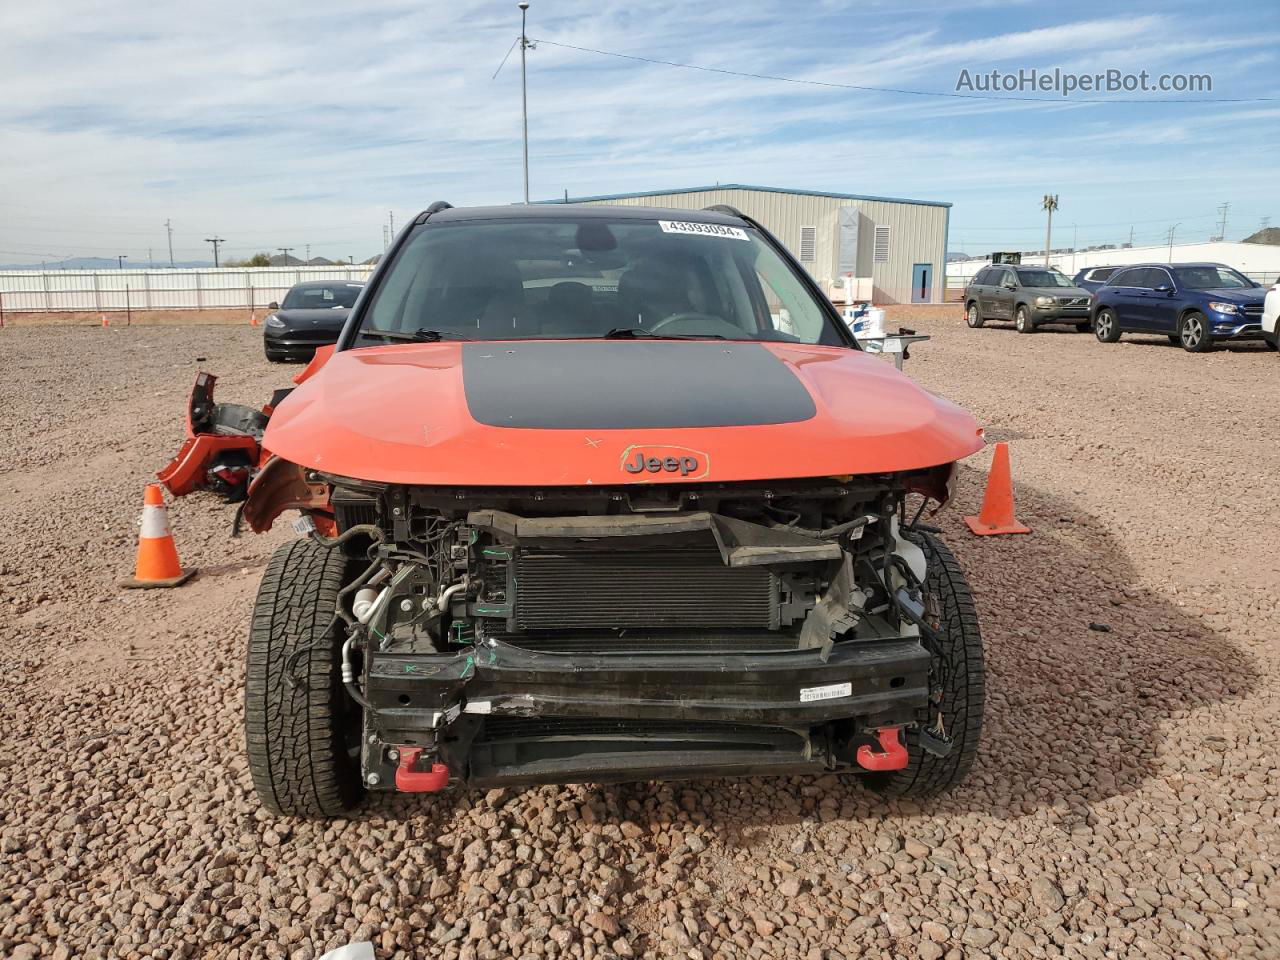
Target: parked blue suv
1194 304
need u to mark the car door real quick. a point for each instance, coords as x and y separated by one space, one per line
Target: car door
978 289
1126 297
1158 308
1007 291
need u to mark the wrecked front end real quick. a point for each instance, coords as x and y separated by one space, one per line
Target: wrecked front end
519 636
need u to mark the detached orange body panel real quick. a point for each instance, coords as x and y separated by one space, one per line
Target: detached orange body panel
407 414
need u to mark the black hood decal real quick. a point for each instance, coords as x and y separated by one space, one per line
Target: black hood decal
630 384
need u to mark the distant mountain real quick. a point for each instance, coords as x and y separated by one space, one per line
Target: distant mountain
1266 235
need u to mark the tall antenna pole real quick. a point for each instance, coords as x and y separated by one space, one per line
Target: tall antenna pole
169 229
216 241
524 94
1171 229
1222 227
1050 204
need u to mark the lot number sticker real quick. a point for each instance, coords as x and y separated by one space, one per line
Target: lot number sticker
833 691
704 229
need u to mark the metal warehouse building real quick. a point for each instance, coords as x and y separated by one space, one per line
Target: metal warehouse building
894 249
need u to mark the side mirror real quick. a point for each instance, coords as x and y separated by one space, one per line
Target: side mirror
273 305
1009 285
1164 288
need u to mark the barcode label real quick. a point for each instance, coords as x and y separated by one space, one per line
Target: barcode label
832 691
703 229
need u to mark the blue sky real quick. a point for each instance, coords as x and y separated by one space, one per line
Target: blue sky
286 125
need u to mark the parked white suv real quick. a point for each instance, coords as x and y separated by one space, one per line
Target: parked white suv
1271 318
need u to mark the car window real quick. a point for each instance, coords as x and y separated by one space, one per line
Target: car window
1044 278
1127 278
322 297
1158 277
986 275
561 278
1100 274
1212 278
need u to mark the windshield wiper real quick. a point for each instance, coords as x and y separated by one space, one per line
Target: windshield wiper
418 336
639 333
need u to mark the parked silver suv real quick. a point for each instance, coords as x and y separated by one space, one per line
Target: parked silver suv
1029 296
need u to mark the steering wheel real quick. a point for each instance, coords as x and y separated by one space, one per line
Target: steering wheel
707 319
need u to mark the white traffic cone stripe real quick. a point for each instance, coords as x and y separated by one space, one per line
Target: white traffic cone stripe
155 523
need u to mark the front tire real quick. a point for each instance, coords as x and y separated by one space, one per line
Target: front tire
950 609
1193 333
1022 320
300 738
973 318
1105 326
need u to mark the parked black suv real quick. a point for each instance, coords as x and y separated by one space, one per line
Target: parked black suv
1027 295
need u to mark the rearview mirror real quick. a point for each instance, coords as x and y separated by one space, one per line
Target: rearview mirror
273 305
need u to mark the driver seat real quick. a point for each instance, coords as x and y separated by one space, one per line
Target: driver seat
652 291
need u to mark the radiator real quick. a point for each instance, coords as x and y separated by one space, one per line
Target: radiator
583 588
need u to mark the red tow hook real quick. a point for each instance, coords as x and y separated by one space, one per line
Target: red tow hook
894 755
410 780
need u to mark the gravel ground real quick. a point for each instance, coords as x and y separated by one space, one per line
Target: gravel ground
1124 803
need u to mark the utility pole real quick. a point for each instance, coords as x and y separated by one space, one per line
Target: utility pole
1266 222
150 263
286 251
120 260
1073 248
1171 229
524 94
1222 224
391 223
386 238
1131 236
169 229
1049 204
308 249
216 241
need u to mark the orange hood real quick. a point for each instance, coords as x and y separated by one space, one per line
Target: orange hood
574 413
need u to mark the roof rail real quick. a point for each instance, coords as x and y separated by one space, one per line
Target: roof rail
436 207
725 208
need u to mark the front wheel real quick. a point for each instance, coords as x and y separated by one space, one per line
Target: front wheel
1193 333
302 732
973 318
1105 327
1272 344
958 671
1022 321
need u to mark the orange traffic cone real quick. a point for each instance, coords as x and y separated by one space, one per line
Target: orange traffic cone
157 556
996 515
253 319
104 321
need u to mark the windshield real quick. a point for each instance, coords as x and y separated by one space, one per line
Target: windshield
1212 278
1044 278
590 278
324 296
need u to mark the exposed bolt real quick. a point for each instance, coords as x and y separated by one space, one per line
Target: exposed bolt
373 779
406 605
373 738
395 512
393 755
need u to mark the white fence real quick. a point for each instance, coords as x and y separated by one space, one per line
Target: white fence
34 291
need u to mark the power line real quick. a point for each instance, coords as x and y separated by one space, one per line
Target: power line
899 90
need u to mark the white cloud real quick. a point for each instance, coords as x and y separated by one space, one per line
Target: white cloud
288 125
